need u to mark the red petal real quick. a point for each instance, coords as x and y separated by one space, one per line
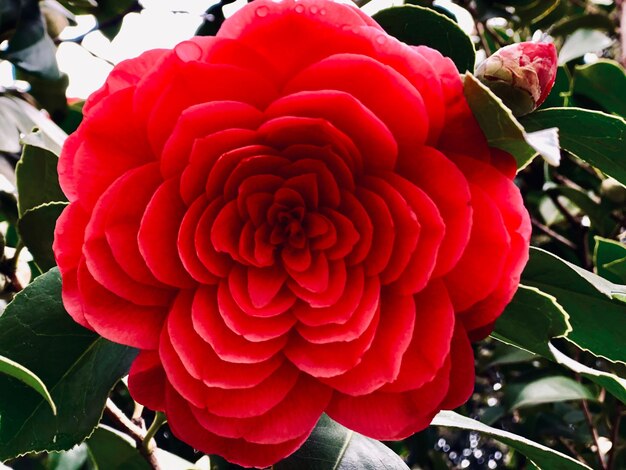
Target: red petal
371 136
185 426
146 380
296 414
430 345
158 241
382 361
200 359
202 120
117 319
227 344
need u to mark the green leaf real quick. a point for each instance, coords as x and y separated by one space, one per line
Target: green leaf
609 257
601 215
532 319
611 382
37 177
587 21
502 129
582 41
21 373
597 320
547 390
111 449
417 26
29 47
542 456
604 82
78 367
74 459
334 447
36 228
595 137
559 91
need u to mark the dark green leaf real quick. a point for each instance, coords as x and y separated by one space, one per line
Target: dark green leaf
416 26
502 129
29 47
588 20
333 447
37 177
544 457
610 259
580 292
547 390
603 82
74 459
600 215
20 117
78 367
597 138
36 228
582 41
21 373
561 88
532 319
110 449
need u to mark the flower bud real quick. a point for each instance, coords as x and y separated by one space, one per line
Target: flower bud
522 75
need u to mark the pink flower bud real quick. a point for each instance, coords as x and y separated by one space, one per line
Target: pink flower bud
522 75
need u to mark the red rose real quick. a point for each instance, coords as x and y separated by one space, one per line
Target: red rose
297 216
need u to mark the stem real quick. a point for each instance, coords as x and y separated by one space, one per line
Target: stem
572 450
135 432
548 231
614 437
158 421
594 433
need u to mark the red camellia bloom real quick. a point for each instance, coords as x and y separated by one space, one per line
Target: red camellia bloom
298 216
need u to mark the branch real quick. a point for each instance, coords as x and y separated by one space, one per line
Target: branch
134 431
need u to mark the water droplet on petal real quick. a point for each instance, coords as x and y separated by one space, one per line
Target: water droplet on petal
299 8
313 10
381 39
262 11
323 11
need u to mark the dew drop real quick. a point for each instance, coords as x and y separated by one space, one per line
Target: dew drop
299 8
381 39
313 10
323 11
262 11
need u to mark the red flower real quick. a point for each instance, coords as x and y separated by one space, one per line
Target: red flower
298 216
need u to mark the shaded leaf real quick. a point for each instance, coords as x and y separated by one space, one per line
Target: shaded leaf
540 455
604 82
21 373
595 137
502 129
583 41
78 367
415 25
532 319
599 214
110 449
37 177
547 390
332 446
609 258
36 229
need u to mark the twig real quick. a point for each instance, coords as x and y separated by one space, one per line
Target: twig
594 433
135 432
572 450
614 437
548 231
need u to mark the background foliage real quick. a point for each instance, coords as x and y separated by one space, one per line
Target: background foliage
551 382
